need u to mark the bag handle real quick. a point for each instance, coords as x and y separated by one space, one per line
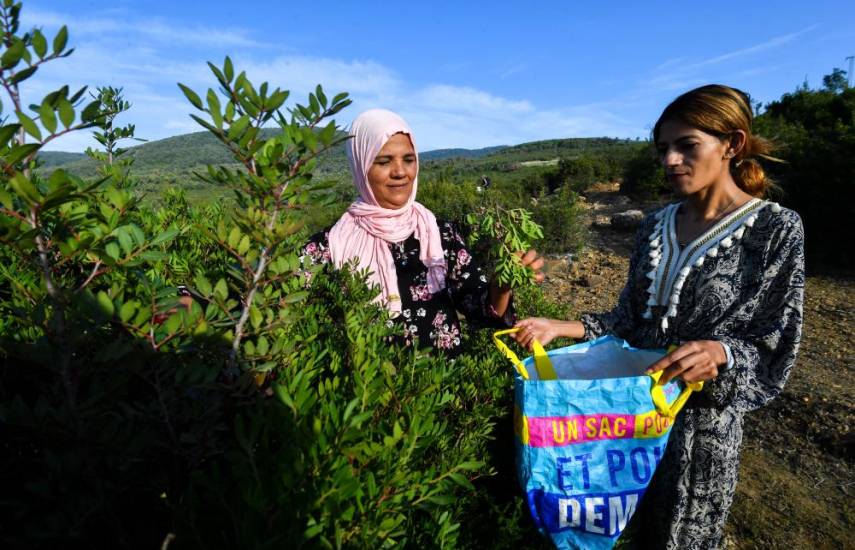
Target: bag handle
545 371
658 396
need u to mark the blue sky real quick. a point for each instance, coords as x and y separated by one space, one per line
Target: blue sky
464 74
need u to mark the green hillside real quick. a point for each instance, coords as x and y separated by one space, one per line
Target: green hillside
174 161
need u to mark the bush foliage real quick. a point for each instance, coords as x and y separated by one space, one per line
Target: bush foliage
169 378
815 130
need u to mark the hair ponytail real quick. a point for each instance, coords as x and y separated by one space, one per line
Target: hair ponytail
747 172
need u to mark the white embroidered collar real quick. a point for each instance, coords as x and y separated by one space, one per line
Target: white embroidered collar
670 265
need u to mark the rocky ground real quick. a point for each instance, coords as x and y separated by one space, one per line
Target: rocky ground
797 474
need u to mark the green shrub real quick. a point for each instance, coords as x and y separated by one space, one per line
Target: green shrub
815 130
560 214
643 177
261 412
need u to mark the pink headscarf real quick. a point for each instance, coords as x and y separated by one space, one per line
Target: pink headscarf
365 230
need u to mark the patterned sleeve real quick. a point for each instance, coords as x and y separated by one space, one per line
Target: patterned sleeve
316 252
764 351
619 321
467 282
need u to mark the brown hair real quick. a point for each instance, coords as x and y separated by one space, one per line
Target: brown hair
720 111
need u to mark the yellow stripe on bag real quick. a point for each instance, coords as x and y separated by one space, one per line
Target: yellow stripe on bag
545 371
521 425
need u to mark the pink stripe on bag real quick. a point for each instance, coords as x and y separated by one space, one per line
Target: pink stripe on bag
559 431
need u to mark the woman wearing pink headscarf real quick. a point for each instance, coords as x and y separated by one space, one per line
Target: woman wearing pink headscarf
422 266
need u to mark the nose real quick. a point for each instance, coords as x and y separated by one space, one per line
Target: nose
671 158
398 169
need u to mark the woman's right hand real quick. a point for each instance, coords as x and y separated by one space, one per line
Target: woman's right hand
535 328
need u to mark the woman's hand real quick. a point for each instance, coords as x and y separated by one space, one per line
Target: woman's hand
694 361
532 260
535 328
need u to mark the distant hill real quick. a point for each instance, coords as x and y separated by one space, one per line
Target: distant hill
58 158
174 161
438 154
199 149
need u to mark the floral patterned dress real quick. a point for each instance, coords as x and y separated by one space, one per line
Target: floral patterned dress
741 283
431 320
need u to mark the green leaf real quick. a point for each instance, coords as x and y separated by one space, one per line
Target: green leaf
60 40
112 250
48 117
105 303
461 480
192 97
234 237
91 112
221 289
262 346
164 236
12 56
255 317
127 311
173 323
126 242
66 112
228 69
295 297
39 43
20 152
237 127
7 133
25 188
22 75
29 125
243 246
214 108
203 285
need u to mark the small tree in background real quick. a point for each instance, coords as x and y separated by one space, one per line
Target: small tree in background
109 135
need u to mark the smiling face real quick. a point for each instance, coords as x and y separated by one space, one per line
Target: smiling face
393 172
693 159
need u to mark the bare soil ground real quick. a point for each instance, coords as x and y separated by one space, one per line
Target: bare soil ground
797 473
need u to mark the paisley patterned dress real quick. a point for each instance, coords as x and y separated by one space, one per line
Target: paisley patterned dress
741 283
430 320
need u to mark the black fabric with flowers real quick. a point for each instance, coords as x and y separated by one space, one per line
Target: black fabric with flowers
430 320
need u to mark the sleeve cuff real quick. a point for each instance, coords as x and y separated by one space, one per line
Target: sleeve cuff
727 354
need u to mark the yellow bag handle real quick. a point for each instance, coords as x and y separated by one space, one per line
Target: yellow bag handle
545 371
658 395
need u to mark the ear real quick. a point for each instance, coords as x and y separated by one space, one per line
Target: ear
738 139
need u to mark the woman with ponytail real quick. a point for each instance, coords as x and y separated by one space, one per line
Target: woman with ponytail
719 275
421 265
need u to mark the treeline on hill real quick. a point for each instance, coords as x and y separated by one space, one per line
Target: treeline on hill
173 376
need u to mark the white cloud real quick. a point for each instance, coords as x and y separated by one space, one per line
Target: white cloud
763 46
151 28
147 65
465 99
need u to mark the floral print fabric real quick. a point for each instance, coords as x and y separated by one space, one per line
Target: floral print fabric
431 320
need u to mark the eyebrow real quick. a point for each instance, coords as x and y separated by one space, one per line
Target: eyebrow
679 139
389 157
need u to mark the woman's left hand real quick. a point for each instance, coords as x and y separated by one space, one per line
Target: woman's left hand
534 262
694 361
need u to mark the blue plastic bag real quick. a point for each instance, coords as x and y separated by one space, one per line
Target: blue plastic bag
591 429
